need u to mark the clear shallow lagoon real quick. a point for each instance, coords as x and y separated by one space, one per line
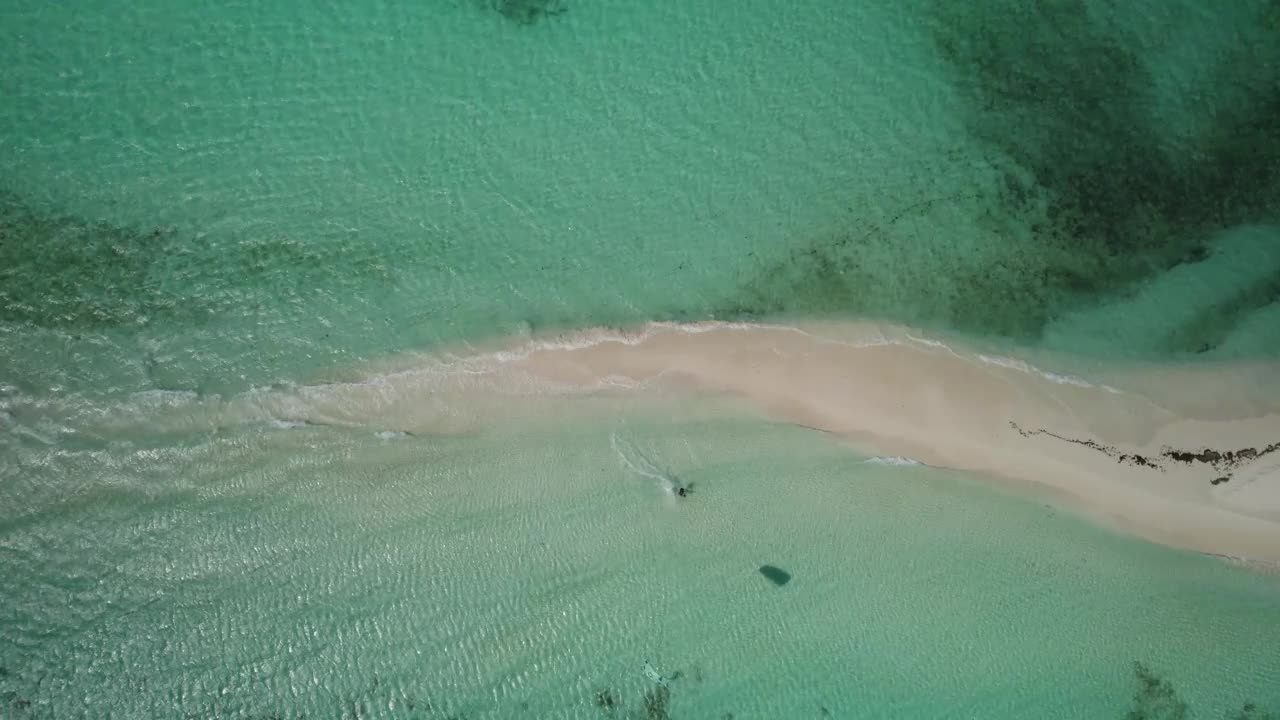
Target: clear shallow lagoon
197 201
516 574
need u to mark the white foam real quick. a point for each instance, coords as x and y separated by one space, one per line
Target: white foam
432 376
426 367
156 399
1025 367
930 342
893 461
587 339
572 341
1015 364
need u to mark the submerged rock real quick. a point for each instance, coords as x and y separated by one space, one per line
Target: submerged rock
528 12
605 699
655 704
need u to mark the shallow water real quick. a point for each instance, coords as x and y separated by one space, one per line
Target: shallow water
518 573
202 208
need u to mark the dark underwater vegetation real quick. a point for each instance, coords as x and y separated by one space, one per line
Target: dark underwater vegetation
1083 190
82 275
1093 192
1154 698
528 12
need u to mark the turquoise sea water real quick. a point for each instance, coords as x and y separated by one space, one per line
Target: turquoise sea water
324 573
197 201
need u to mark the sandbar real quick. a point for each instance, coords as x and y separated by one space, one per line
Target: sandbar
1188 456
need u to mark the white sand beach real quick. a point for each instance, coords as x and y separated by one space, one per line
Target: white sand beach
890 394
1106 446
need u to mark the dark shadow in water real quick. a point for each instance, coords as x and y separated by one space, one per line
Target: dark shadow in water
776 575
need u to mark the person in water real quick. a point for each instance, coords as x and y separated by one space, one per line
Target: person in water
680 491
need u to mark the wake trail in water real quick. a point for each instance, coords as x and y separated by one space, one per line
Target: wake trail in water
634 460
